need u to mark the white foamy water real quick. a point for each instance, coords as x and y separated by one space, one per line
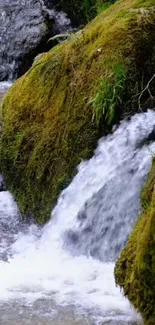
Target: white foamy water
4 85
62 262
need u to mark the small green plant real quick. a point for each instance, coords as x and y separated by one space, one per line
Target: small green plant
73 36
101 5
108 96
90 8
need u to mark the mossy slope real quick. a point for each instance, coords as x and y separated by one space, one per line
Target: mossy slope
135 269
48 124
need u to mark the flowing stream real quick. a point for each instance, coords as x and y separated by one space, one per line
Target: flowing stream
63 273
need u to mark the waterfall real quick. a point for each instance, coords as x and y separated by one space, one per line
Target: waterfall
69 262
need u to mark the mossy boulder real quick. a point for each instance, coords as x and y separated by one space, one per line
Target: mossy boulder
54 114
135 269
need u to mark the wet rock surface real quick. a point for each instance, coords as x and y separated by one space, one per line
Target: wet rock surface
25 28
74 9
2 184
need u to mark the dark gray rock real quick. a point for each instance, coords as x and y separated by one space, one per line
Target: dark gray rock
2 185
26 25
76 10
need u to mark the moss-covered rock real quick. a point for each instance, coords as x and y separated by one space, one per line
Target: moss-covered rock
52 116
135 269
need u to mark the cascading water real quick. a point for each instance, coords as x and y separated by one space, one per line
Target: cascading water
68 265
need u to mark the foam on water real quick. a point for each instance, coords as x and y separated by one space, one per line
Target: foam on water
4 85
41 264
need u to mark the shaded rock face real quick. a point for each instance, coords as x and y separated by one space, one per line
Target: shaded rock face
74 9
2 185
25 28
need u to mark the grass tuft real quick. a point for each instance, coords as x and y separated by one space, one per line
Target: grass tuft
108 97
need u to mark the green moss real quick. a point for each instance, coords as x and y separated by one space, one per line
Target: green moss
135 269
147 3
48 125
